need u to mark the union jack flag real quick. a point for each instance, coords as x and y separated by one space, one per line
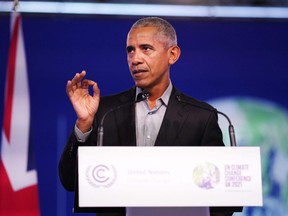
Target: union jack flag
18 181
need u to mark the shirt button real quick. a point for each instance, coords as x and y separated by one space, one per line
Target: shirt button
148 137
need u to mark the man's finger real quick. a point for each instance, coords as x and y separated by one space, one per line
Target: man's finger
69 89
96 90
78 78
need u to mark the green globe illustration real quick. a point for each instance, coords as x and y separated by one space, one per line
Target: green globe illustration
261 123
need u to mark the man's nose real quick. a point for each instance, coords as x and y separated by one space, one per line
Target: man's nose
136 58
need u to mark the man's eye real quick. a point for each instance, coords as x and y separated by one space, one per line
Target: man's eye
129 49
147 48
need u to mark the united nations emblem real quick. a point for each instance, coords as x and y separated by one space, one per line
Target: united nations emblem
101 175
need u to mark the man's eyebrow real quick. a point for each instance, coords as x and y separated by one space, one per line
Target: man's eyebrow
146 45
141 45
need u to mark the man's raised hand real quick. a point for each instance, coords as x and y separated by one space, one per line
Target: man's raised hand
84 104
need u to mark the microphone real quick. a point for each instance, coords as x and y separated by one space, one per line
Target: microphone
140 97
230 128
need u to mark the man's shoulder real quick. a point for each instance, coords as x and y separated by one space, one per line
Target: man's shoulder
189 100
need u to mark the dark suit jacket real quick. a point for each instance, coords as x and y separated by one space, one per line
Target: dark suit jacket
183 125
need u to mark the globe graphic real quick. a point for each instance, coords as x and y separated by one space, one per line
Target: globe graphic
206 176
261 123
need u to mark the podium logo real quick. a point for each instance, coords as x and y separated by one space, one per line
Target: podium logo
206 176
101 175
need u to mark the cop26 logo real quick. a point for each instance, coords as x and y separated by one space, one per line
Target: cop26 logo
206 176
101 175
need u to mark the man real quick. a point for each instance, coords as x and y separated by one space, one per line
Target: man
166 118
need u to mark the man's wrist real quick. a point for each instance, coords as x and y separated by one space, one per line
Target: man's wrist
83 126
81 137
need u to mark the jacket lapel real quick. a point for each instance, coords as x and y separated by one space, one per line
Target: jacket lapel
125 119
173 121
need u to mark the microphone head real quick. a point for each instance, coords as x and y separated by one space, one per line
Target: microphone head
143 95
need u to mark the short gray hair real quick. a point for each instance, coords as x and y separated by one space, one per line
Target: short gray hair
164 27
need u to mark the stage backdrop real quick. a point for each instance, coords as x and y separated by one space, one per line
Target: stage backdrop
241 66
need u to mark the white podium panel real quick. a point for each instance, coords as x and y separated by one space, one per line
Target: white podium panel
169 176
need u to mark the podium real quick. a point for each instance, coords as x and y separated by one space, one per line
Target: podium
164 180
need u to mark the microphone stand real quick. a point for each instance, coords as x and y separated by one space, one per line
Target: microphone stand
230 128
143 96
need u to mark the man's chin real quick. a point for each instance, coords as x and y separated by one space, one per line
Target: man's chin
141 85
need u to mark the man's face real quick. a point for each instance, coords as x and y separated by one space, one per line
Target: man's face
148 58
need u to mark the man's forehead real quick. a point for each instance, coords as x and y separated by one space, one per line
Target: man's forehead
142 32
146 35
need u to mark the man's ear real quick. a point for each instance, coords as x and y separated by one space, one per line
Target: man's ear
174 54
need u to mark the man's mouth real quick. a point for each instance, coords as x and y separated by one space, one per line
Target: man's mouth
139 71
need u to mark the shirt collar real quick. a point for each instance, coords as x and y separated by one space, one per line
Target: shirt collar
165 96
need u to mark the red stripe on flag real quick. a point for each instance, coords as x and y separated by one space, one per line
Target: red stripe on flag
10 79
24 199
23 202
